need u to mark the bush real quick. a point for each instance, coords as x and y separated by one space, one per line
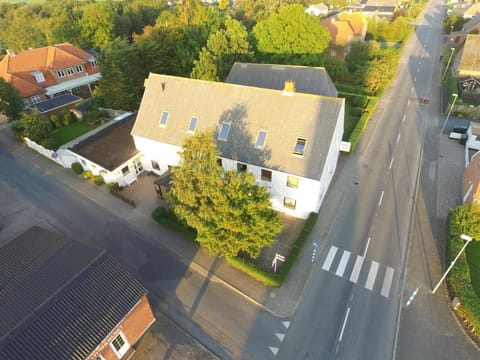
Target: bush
166 217
77 168
68 118
98 179
110 186
56 121
87 174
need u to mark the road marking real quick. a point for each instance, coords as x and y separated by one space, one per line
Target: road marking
366 247
405 115
412 89
344 323
387 282
274 350
372 274
381 198
343 263
391 163
420 62
286 324
329 259
280 336
356 269
398 137
415 79
418 69
408 103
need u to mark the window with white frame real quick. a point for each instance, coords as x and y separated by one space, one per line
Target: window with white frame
164 119
261 138
241 167
79 68
119 345
39 77
125 170
292 181
26 104
224 132
289 203
77 90
155 165
36 99
299 148
60 73
94 63
193 124
70 71
266 175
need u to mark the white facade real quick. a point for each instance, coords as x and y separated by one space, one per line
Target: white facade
290 194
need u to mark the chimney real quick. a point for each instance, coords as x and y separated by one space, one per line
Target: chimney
11 52
289 88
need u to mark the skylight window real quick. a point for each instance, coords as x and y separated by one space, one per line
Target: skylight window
224 132
300 146
193 124
164 119
261 137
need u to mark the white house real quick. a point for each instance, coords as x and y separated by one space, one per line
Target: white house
473 133
289 140
317 9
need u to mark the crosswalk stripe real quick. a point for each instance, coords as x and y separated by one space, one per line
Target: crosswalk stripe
343 263
356 269
328 261
372 274
387 282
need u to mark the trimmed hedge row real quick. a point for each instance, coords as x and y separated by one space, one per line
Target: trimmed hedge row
459 280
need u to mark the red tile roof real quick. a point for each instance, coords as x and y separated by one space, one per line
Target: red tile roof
17 68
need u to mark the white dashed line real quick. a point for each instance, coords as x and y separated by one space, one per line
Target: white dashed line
381 198
344 323
391 163
398 137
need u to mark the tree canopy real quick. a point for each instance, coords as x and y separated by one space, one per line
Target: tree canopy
467 219
11 103
291 36
36 125
230 212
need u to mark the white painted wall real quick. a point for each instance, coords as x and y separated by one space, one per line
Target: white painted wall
164 154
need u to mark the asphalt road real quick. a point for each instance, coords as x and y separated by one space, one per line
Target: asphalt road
350 309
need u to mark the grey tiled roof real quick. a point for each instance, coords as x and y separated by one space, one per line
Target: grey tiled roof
308 80
57 102
110 147
59 298
248 109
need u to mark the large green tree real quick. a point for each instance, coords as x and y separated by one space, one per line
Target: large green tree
121 85
96 25
223 48
291 36
11 103
36 125
230 212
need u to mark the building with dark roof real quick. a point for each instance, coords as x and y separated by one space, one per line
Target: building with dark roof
289 140
61 299
110 151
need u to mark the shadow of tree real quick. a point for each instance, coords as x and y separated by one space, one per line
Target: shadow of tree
241 144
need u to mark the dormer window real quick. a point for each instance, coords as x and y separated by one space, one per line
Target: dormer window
60 73
164 119
224 132
193 124
39 77
79 68
261 137
299 148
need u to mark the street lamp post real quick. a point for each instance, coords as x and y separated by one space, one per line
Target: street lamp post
448 62
455 96
467 241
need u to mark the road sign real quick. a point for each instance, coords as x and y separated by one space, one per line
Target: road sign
277 257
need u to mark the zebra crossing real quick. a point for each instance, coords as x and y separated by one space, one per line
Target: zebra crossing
359 271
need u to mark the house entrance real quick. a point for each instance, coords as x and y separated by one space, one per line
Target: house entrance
138 166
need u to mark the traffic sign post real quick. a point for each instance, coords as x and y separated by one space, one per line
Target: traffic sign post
314 251
277 257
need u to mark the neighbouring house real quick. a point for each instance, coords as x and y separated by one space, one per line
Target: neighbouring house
473 132
471 181
318 9
467 11
466 68
472 26
63 102
380 8
308 80
344 28
47 72
62 299
108 151
290 141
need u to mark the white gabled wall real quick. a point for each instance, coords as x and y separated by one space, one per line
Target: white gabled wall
164 154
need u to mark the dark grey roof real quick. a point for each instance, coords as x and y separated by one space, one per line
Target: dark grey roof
308 80
110 147
381 9
59 298
284 116
57 102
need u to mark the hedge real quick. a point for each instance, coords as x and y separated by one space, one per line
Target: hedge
459 280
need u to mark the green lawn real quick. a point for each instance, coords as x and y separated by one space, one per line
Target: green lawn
68 133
